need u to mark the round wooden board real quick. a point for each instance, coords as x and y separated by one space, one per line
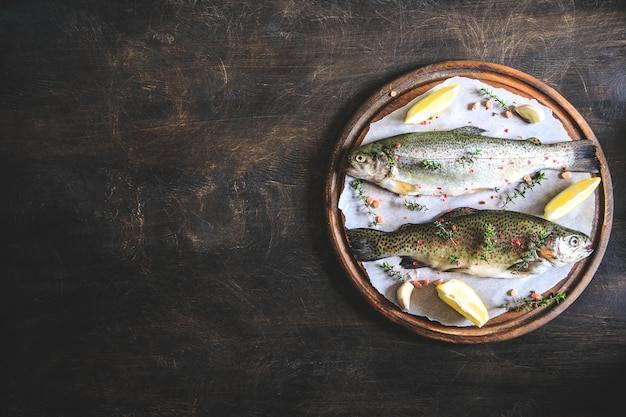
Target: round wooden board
397 94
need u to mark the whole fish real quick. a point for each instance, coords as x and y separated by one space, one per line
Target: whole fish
462 161
485 243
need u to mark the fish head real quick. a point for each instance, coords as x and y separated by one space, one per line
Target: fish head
369 164
566 248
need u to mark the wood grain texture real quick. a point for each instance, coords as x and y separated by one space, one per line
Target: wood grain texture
163 167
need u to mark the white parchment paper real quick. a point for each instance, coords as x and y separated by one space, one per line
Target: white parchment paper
493 291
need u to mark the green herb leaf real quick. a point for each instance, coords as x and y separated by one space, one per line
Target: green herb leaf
367 207
442 232
530 303
413 206
524 186
390 270
431 165
489 93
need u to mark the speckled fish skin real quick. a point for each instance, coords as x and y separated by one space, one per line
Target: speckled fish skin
484 243
462 161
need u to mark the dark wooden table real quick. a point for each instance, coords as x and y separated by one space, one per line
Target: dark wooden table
164 245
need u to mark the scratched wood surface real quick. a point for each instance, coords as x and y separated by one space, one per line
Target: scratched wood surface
163 238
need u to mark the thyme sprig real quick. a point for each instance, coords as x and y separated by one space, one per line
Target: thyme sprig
431 165
442 232
489 239
391 271
490 235
530 303
454 258
524 186
413 206
390 154
367 206
469 157
534 246
489 93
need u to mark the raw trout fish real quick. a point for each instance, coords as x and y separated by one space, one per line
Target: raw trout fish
462 161
484 243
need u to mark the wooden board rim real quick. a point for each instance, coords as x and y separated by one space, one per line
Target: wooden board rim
402 90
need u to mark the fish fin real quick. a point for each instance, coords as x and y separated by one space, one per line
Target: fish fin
531 268
407 262
585 159
400 187
364 243
469 130
406 226
463 270
460 211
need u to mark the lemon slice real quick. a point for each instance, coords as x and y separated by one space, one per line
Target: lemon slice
432 104
461 297
570 198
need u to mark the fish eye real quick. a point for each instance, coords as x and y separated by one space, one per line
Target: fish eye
360 158
574 241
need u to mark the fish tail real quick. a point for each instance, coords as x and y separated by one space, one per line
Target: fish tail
366 244
585 159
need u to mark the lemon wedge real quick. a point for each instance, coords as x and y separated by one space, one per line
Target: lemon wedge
461 297
432 104
570 198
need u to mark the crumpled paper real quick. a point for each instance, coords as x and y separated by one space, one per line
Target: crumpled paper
493 291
